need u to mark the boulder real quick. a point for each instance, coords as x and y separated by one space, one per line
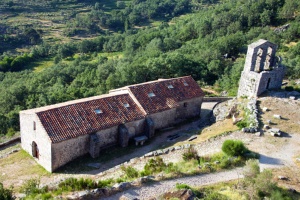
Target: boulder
122 186
165 151
266 126
186 194
292 97
265 109
98 192
128 196
282 178
192 138
150 154
178 147
277 116
275 132
258 133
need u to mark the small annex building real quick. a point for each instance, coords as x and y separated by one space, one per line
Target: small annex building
57 134
262 70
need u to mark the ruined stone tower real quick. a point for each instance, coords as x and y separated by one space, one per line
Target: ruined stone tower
261 71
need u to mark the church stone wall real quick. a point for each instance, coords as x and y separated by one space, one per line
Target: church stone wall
164 119
189 108
68 150
32 131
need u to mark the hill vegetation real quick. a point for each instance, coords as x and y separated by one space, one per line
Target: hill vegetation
54 51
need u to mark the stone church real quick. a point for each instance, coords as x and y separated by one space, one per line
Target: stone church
57 134
262 71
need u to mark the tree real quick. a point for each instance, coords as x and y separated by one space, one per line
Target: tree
97 6
5 194
121 4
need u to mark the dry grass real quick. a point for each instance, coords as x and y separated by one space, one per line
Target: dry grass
292 174
290 122
215 130
19 166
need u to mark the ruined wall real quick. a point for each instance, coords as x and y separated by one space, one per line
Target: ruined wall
35 133
248 84
260 56
261 72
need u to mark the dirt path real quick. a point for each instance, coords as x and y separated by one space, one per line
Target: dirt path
154 190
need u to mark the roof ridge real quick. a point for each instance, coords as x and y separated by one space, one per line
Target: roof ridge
71 102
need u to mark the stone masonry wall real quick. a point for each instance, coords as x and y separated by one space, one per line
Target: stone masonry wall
189 108
39 136
260 71
68 150
248 84
164 119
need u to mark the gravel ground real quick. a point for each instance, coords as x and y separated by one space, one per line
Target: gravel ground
275 159
153 190
275 152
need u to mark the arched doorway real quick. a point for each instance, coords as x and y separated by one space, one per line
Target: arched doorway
35 150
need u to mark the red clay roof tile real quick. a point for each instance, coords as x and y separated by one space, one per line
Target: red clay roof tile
168 93
80 118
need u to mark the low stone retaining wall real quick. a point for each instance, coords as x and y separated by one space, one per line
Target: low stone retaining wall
216 99
14 140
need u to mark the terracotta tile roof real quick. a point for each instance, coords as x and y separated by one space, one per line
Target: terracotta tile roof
165 93
75 118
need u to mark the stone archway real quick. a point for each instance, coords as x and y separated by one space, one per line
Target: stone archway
35 150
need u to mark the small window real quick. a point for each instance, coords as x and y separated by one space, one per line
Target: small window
151 94
185 83
98 111
126 105
185 104
170 86
34 126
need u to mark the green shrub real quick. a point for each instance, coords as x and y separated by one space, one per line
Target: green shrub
145 173
31 186
73 184
242 124
155 165
46 196
190 154
130 172
120 180
234 148
180 186
213 195
10 132
172 168
5 194
105 183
